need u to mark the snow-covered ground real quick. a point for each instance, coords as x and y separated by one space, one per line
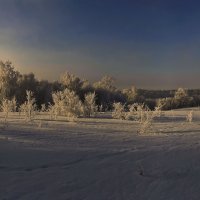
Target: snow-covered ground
100 159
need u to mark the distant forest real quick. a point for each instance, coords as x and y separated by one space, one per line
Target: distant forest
14 84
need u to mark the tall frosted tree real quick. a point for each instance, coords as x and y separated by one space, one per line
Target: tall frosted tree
180 93
107 93
119 111
71 82
8 106
29 106
66 103
89 105
181 97
8 80
106 83
131 94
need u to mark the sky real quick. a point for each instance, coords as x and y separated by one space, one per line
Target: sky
147 43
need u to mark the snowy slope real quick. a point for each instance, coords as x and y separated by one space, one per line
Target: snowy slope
101 159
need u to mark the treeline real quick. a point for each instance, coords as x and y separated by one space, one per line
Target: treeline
14 84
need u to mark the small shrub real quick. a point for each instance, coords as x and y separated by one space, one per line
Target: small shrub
158 109
8 106
119 111
189 116
146 124
28 108
137 112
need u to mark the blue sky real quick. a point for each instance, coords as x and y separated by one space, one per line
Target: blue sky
147 43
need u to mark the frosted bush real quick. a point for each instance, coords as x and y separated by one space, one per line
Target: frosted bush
66 103
146 124
59 103
8 80
131 94
137 112
180 93
8 106
119 111
132 113
142 112
158 109
105 83
28 108
89 105
70 81
189 117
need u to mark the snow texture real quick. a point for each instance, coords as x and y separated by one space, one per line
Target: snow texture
100 158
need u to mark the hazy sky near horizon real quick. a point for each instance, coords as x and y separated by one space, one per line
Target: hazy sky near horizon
146 43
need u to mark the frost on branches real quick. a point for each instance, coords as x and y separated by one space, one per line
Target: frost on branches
29 106
137 112
119 111
8 106
66 103
89 107
8 79
71 82
189 116
146 125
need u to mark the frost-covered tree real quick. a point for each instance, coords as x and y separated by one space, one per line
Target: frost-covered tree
119 111
8 80
89 105
181 98
147 122
28 82
28 108
106 93
132 113
131 94
85 84
137 112
189 116
180 93
146 125
8 106
66 103
71 82
158 108
105 83
59 103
